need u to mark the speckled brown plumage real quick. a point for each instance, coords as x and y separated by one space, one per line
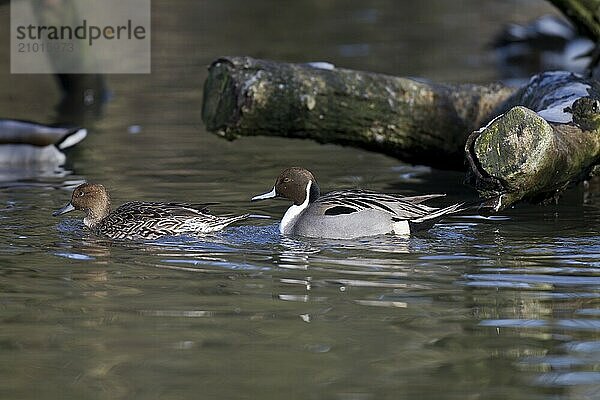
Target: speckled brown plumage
142 220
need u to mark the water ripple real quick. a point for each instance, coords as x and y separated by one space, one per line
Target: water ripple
569 378
557 280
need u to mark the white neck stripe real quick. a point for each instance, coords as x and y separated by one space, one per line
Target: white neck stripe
291 215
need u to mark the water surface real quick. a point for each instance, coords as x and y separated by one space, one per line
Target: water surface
476 308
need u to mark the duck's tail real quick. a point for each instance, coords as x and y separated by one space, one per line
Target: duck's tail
72 137
486 206
222 222
479 206
421 199
438 214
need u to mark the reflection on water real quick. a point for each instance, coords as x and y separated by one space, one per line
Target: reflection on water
377 317
477 308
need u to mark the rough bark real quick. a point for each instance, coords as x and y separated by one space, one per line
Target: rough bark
546 136
548 140
416 121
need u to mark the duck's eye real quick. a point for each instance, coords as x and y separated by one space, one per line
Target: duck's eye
286 180
81 194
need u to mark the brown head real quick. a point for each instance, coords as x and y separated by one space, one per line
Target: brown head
91 198
292 184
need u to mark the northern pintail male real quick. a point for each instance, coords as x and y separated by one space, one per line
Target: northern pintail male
28 143
348 214
142 220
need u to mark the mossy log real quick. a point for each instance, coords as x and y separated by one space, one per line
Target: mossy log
547 134
548 139
418 122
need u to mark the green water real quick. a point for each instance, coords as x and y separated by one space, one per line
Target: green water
501 308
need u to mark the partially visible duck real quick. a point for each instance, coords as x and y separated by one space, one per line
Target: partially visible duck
142 220
546 43
30 143
348 214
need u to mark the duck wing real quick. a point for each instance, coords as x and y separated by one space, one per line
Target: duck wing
151 220
135 210
351 201
420 199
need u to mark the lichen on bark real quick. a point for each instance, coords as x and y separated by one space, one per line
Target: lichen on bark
537 149
418 122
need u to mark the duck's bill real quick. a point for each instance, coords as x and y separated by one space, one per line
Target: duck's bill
68 208
268 195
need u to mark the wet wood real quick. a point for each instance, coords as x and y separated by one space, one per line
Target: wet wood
416 121
547 140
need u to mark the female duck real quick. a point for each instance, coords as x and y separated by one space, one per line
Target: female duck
347 214
141 220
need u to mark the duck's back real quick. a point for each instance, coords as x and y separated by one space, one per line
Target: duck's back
349 214
350 201
151 220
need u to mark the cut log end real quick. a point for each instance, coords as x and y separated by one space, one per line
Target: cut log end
219 109
519 155
548 138
514 148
